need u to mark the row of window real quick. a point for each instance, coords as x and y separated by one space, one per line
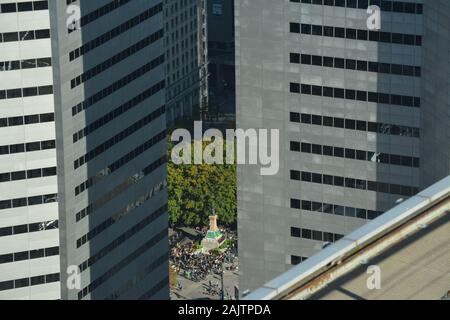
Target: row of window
25 92
315 235
129 157
141 275
334 209
28 228
100 12
122 213
27 147
101 201
23 6
119 111
119 240
28 174
29 282
355 34
30 201
295 260
132 180
97 204
97 151
119 84
25 35
94 232
123 263
353 154
31 119
351 64
29 255
384 5
352 183
115 32
25 64
349 124
92 207
116 59
350 94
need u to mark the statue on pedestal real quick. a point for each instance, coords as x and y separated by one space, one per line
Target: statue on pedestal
214 238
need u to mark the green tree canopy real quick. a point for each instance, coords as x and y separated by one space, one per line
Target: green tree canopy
194 189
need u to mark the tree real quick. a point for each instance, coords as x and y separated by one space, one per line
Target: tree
195 189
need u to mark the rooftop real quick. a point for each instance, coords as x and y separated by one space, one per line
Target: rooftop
415 269
406 250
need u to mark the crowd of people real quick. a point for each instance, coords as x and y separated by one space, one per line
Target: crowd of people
194 265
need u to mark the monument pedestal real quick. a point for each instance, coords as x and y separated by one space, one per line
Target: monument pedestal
214 238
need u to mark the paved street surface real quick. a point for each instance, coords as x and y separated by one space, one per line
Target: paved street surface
199 290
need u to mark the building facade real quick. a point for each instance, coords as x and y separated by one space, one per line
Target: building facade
111 148
347 101
199 40
436 92
183 22
221 57
29 238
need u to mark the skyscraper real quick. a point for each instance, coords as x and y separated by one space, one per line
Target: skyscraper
29 240
349 101
111 137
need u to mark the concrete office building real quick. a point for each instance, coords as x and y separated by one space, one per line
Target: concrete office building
111 148
348 102
29 239
183 22
199 40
